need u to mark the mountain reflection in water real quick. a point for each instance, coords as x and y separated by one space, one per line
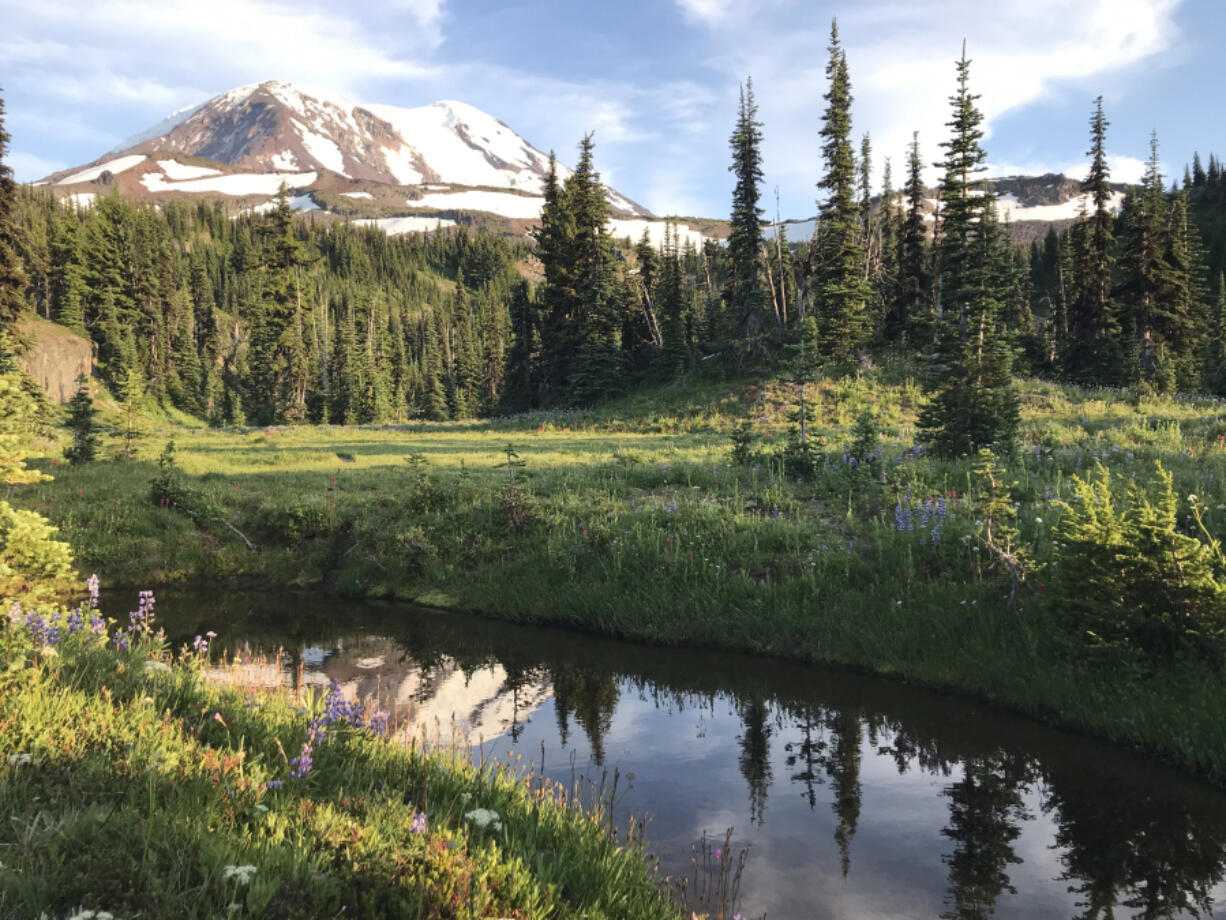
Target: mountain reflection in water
858 797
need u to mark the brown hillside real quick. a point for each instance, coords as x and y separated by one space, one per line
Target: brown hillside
55 357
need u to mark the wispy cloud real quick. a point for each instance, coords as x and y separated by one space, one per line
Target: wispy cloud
901 61
28 166
705 11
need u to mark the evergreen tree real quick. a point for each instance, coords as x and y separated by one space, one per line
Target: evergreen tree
1142 269
842 291
674 356
520 391
82 423
68 288
598 366
12 275
744 293
1094 354
913 261
435 393
886 281
972 401
1215 372
1181 317
279 378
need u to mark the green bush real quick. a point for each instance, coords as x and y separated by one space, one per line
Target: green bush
34 566
1130 579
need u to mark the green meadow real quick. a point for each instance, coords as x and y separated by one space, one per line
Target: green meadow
636 521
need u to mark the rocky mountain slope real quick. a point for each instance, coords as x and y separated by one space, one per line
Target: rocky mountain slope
436 161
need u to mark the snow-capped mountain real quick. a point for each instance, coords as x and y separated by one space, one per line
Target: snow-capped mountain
1031 204
448 156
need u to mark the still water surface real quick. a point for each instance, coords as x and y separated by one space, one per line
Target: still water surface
857 797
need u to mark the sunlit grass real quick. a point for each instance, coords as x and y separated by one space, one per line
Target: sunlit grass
137 788
637 523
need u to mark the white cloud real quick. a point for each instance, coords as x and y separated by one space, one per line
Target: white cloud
196 51
901 58
705 11
27 167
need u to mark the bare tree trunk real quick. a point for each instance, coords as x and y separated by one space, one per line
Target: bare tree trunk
783 284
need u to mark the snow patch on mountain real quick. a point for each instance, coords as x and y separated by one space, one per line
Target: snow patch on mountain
239 184
394 226
177 172
1007 207
356 195
114 167
516 206
472 147
323 149
656 230
284 160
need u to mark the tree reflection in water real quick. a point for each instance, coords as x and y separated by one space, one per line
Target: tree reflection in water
1130 838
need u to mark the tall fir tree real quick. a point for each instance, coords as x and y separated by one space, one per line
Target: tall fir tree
82 422
12 274
914 278
68 289
841 288
1142 270
598 366
972 402
674 356
1094 353
744 295
278 359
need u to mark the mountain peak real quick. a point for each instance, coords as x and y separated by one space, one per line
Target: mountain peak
441 158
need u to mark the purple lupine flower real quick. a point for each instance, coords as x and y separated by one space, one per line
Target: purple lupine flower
274 784
97 625
200 645
52 636
75 622
377 723
301 765
94 586
419 824
14 613
121 641
941 509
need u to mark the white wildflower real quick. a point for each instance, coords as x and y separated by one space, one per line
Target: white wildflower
1038 520
20 760
83 914
484 817
261 808
157 667
240 874
49 651
1192 497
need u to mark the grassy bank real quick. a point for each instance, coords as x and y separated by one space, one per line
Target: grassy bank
132 788
634 521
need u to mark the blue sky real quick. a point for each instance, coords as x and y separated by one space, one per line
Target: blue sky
657 81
